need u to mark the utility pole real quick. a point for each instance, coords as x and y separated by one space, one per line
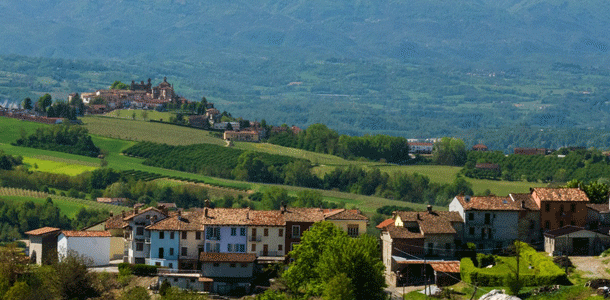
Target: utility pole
518 250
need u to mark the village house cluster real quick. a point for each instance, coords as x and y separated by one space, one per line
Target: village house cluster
424 246
208 249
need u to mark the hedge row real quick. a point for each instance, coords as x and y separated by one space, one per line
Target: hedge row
543 272
138 269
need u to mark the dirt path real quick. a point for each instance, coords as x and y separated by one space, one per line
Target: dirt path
592 266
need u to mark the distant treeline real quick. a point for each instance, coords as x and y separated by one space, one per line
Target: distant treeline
62 138
585 165
321 139
8 162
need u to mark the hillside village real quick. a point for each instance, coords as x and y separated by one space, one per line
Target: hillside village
224 250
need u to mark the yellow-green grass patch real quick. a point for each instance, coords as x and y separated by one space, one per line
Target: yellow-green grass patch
151 114
72 167
315 158
11 129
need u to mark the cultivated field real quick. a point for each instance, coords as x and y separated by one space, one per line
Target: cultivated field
148 131
151 114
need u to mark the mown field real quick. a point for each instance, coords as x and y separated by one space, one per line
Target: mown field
135 130
56 165
150 114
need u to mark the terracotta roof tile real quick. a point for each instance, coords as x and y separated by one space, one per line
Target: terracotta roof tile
526 199
43 230
446 266
560 194
403 233
432 222
115 222
385 223
266 218
132 214
489 203
294 214
227 257
71 233
343 214
601 208
225 216
187 221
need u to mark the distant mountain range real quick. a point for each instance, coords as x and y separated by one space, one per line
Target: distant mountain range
447 31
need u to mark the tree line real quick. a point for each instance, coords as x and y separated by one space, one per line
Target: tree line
62 138
321 139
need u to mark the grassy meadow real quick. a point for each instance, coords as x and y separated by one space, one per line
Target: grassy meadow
151 114
55 165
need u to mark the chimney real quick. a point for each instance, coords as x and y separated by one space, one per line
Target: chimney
283 207
205 212
467 198
418 217
179 212
207 202
154 219
136 210
123 214
523 204
111 214
429 207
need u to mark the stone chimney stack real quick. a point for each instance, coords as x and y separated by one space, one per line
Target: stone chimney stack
523 204
283 207
205 212
429 207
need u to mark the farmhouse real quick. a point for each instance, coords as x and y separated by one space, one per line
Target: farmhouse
421 148
244 136
43 244
574 240
94 245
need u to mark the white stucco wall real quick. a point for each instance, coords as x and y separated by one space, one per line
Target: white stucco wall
272 240
95 248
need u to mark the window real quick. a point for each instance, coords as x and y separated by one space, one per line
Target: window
243 265
547 225
296 231
532 224
470 217
560 224
233 231
430 248
161 252
184 251
198 235
216 265
171 251
184 235
281 232
233 265
280 247
242 231
572 207
447 247
266 232
212 233
471 230
139 246
242 247
482 233
161 235
253 249
139 230
254 232
171 266
229 247
547 207
352 230
172 235
487 219
561 209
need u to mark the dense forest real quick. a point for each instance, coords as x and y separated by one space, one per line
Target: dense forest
62 138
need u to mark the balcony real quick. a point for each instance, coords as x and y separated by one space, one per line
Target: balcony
147 240
254 238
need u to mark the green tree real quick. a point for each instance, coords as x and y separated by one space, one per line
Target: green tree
299 173
339 288
73 279
44 101
250 167
325 252
272 295
117 85
27 103
77 103
19 291
145 115
449 151
273 197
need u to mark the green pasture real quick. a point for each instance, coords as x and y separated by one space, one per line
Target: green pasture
135 130
315 158
68 167
12 128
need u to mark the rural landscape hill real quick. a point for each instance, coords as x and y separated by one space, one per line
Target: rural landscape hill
528 73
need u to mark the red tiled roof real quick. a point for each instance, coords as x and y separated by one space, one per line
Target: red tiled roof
187 221
43 230
489 203
225 216
343 214
446 266
227 257
479 146
116 222
70 233
385 223
293 214
432 222
266 218
526 199
560 194
133 214
403 233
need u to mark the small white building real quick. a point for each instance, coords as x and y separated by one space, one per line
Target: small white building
92 244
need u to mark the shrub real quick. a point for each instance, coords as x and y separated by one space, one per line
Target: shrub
143 270
512 284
